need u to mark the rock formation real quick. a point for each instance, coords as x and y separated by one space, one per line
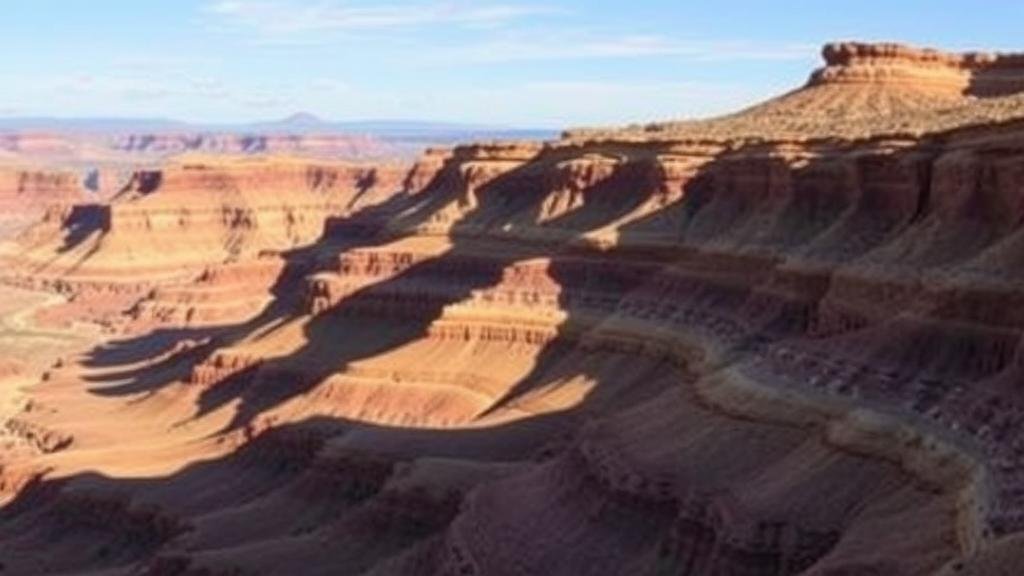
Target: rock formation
126 146
195 212
27 192
319 145
770 343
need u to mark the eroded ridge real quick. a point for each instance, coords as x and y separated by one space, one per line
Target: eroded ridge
863 92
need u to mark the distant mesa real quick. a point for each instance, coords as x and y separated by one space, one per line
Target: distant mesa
301 134
864 91
302 119
952 75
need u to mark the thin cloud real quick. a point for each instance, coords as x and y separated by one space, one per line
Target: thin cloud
151 87
514 31
590 46
281 19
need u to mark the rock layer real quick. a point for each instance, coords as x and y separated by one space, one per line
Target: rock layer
976 73
27 193
197 212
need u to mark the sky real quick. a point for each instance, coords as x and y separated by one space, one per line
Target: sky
523 63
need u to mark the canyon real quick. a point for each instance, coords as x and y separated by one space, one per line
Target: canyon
785 341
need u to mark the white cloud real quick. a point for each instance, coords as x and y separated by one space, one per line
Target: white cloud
516 31
284 19
122 92
580 46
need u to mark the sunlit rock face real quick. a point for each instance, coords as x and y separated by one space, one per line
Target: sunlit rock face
28 192
734 346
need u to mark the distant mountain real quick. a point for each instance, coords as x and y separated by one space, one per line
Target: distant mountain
297 121
301 123
412 131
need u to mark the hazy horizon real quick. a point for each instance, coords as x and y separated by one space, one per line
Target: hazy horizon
296 119
516 63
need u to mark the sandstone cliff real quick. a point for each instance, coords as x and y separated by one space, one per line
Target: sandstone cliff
27 192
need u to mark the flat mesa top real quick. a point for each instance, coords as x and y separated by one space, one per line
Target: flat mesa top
864 91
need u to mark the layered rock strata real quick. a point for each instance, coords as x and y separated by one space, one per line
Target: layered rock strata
174 222
604 354
27 193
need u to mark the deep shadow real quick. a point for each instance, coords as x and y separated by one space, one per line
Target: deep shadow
84 221
413 299
128 523
362 229
149 181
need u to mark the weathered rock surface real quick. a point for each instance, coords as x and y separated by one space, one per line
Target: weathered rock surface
175 222
26 193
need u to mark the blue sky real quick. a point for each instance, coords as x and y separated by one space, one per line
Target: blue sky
533 63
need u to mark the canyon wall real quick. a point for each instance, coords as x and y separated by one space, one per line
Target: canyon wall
26 193
622 352
982 74
199 211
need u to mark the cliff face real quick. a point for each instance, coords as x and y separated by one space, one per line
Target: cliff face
27 193
227 209
222 224
979 74
200 211
678 351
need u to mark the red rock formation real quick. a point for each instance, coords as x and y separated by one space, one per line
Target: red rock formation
324 145
102 147
975 73
26 194
170 225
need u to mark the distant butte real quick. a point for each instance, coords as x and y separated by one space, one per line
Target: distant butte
866 91
981 74
787 341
